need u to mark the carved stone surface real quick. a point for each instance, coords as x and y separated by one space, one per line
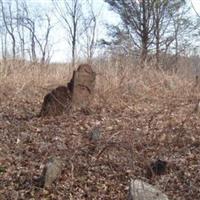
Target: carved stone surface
83 85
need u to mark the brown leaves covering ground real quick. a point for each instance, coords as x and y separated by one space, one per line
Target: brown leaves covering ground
138 124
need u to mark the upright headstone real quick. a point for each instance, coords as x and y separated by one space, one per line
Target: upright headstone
83 85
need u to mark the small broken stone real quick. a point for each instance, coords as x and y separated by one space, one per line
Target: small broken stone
95 134
139 190
197 107
51 171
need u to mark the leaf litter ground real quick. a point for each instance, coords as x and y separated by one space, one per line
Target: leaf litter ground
135 130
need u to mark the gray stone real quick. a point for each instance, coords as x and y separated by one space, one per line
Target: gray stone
197 107
95 134
139 190
51 171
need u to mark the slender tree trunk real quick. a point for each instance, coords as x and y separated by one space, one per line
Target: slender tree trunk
13 46
157 35
33 53
144 38
74 35
73 52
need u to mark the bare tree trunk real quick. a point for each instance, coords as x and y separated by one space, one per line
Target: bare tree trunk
70 15
33 52
145 34
92 33
44 48
157 34
74 35
4 46
9 26
20 29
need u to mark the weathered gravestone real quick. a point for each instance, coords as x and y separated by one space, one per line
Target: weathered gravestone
83 83
51 171
77 93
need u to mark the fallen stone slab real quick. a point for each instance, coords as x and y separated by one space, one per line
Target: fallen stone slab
140 190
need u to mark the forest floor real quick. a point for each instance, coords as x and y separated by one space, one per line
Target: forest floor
148 121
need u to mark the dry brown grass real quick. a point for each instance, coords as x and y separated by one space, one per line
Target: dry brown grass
143 115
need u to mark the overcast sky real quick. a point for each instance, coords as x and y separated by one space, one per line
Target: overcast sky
61 51
196 4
